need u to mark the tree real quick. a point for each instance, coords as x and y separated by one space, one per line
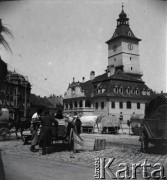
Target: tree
5 30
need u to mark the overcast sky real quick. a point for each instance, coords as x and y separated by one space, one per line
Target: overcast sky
55 41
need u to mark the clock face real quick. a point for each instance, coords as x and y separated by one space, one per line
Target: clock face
114 47
130 46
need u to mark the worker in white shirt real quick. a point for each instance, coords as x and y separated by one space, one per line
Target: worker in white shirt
35 122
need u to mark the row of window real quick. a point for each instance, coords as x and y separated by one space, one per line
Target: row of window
88 104
128 105
131 91
76 104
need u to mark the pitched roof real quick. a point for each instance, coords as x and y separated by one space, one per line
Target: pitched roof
119 79
111 84
47 103
119 75
36 100
123 31
87 87
55 101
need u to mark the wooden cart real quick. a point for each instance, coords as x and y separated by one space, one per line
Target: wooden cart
154 125
57 134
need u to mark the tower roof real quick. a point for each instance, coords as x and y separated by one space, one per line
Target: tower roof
123 30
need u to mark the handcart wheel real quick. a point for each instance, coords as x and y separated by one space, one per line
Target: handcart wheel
4 134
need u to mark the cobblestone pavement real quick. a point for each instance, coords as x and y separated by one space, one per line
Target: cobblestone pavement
122 147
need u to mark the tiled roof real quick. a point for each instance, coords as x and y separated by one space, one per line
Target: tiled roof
119 75
111 84
87 87
36 100
47 103
55 101
119 79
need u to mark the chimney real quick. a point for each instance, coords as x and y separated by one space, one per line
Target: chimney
73 79
83 79
108 72
111 70
92 75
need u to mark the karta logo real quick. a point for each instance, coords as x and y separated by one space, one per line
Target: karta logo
127 171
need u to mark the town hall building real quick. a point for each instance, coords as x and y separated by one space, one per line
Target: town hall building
120 90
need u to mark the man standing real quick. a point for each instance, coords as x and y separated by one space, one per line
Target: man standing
78 125
34 129
121 120
46 131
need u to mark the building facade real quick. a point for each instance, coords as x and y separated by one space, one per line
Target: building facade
15 94
120 90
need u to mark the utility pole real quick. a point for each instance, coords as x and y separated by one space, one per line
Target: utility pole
25 101
25 96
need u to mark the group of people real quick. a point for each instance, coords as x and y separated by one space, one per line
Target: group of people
47 120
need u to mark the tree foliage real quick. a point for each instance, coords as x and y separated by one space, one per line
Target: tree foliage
6 31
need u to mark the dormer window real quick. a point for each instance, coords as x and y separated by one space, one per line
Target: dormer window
116 89
148 92
129 33
103 90
137 91
133 91
73 91
144 92
121 90
128 90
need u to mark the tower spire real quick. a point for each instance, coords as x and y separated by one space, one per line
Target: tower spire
122 6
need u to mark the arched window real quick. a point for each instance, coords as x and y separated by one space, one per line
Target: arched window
71 105
87 103
133 91
66 104
121 90
73 91
128 105
80 103
116 89
129 33
137 91
75 103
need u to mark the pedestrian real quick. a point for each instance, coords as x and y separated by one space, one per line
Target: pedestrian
120 120
35 122
78 125
59 115
70 125
46 132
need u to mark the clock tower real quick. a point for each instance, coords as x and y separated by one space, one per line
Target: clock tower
123 49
